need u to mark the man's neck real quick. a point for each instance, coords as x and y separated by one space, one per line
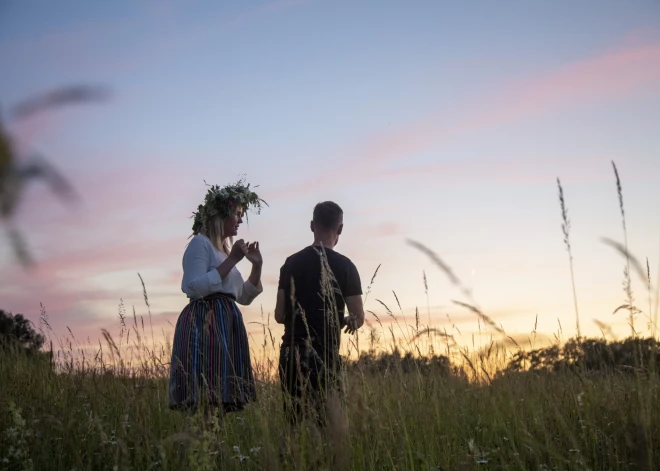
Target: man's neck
326 242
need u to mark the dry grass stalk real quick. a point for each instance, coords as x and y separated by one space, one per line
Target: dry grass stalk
566 230
627 282
481 316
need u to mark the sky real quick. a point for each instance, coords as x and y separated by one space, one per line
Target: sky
445 123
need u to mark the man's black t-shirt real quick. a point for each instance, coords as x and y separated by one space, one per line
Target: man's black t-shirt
313 291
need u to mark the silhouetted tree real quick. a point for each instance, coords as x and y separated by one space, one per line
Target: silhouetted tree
369 362
590 355
17 331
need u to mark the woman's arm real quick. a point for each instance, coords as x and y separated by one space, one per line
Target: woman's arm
255 275
252 287
237 253
198 281
253 254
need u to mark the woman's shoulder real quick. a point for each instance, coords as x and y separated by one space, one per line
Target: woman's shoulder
202 242
200 239
199 242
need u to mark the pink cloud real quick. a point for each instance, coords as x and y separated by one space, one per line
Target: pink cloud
86 309
514 170
113 206
628 71
79 264
63 282
125 256
56 299
614 75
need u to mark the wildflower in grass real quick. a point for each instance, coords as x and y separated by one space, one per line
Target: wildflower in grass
17 452
112 440
477 453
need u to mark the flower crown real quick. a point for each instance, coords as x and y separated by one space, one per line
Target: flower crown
223 201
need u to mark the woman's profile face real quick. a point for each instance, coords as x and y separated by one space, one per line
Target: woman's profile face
232 222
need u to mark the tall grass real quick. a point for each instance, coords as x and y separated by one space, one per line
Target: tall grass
627 282
94 415
566 230
98 407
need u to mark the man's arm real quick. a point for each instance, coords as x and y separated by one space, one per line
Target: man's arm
355 318
353 298
280 306
282 287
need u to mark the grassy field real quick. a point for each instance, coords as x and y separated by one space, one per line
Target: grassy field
396 414
578 405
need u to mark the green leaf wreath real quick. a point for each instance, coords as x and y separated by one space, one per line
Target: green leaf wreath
223 201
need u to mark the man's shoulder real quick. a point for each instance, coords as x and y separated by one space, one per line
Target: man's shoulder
312 252
341 258
298 256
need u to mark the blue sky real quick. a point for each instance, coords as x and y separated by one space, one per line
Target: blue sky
436 121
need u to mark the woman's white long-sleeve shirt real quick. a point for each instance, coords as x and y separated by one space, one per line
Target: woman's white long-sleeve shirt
200 277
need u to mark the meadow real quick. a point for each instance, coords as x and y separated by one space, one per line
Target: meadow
413 402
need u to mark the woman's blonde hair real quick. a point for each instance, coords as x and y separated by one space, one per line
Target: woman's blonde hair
215 232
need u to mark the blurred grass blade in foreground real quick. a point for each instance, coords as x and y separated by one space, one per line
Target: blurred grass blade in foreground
14 174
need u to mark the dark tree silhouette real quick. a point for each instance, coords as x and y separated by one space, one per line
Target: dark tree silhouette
394 361
17 331
590 355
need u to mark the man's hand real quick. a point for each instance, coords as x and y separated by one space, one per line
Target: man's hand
351 324
355 317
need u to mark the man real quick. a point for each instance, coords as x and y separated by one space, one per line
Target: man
314 287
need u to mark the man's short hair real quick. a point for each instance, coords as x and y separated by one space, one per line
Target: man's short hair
328 215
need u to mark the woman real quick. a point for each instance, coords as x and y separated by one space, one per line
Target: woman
210 355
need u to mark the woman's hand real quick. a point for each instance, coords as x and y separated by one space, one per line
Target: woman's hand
253 254
238 250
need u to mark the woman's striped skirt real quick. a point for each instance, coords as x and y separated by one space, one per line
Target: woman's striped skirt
210 356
